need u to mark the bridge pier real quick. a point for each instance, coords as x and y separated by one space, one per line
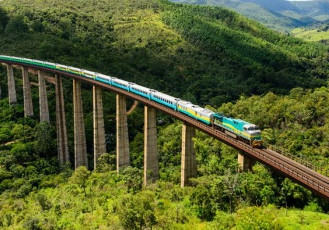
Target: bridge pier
122 145
151 161
98 121
11 85
43 100
245 162
62 143
80 147
188 163
28 105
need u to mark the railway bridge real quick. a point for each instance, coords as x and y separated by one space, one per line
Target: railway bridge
300 173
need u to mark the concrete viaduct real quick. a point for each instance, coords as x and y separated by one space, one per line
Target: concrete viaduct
300 173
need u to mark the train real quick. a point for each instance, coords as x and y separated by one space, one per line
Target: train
235 128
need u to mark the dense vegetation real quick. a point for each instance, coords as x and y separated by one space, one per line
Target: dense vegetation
37 194
189 51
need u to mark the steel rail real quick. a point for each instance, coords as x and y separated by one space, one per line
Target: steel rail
299 165
290 168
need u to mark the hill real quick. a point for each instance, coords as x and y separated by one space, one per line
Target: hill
279 15
319 33
188 51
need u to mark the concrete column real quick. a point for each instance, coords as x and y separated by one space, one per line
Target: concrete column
11 85
99 130
80 147
28 105
123 158
188 165
62 143
151 162
43 100
245 162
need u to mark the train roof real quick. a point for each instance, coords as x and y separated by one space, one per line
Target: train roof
102 75
88 72
120 81
164 96
196 108
242 122
139 87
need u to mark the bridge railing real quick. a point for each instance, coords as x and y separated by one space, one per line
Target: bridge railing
300 159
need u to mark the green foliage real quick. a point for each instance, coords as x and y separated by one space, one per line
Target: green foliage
16 25
137 212
106 162
133 178
45 142
4 19
258 218
80 177
181 50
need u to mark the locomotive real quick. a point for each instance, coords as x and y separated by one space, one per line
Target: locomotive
235 128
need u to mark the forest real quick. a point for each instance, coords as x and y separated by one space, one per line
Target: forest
193 52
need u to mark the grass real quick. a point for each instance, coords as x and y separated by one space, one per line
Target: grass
313 35
306 220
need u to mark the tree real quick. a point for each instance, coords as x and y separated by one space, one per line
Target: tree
4 19
16 25
80 177
133 178
44 139
137 211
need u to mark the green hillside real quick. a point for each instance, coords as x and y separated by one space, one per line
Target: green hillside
189 51
320 34
265 12
280 15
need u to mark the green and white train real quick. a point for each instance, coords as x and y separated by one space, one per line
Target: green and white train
235 128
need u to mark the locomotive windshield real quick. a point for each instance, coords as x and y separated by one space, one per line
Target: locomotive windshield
252 128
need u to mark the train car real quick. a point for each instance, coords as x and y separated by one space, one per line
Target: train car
49 65
88 74
120 83
27 61
38 63
74 70
239 129
197 112
103 78
61 67
6 58
140 90
164 99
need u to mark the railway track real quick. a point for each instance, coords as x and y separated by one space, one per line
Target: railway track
288 167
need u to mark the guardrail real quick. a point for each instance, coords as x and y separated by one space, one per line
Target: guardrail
300 159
